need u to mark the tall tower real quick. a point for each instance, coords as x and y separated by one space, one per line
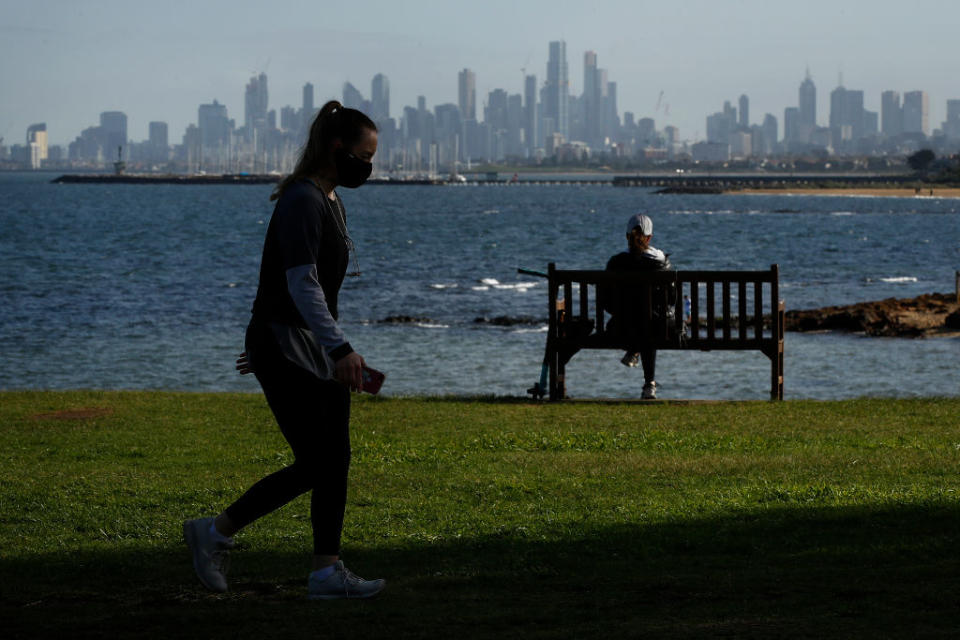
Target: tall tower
557 103
808 101
255 104
530 129
891 113
744 112
467 94
114 125
380 98
307 100
158 141
37 144
916 112
352 98
591 98
214 126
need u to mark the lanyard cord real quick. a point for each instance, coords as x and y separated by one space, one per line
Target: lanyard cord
341 223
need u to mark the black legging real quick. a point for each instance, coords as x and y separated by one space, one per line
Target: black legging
648 359
634 337
314 417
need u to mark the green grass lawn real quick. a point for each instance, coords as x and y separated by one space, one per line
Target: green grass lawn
491 518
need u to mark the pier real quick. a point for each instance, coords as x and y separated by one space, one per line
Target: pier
686 182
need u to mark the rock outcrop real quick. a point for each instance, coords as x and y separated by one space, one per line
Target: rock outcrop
926 315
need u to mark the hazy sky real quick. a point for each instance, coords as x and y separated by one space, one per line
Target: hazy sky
64 61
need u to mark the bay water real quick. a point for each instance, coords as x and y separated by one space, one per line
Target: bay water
150 286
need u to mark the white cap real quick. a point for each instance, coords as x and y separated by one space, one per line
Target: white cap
643 222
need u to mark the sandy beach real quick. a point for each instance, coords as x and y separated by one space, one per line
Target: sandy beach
941 192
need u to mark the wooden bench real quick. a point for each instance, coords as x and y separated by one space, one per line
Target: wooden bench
576 321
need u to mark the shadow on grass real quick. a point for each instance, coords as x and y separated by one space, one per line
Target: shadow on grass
785 572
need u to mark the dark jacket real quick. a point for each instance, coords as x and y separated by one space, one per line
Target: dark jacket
628 306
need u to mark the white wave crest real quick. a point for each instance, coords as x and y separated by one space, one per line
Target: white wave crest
897 279
441 285
489 281
519 286
431 325
542 329
480 288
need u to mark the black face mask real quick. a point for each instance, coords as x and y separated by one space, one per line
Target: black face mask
351 170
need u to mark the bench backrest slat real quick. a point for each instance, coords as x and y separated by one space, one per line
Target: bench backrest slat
695 310
584 305
758 311
742 310
711 310
726 309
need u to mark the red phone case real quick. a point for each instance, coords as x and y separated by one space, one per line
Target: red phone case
372 380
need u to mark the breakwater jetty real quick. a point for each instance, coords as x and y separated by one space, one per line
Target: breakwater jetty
166 178
690 182
678 182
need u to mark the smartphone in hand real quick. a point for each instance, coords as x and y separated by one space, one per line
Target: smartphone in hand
372 380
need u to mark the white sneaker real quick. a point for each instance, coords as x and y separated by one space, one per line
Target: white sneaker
630 359
342 583
210 557
650 391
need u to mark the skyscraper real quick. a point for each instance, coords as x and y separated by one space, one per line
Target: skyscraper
214 126
158 141
158 135
495 111
467 94
744 112
215 129
891 114
352 98
846 115
718 128
530 132
807 112
916 112
611 121
770 131
951 126
380 98
307 100
37 144
114 126
592 100
255 103
856 115
791 125
557 99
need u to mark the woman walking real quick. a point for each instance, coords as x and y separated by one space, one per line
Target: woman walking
301 358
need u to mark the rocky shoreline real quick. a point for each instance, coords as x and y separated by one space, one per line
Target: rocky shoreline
928 315
931 314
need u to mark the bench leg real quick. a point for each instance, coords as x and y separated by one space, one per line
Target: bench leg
552 362
561 379
776 374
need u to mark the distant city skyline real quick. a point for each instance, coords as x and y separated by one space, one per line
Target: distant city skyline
258 107
64 63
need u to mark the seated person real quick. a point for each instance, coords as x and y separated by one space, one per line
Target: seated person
630 320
